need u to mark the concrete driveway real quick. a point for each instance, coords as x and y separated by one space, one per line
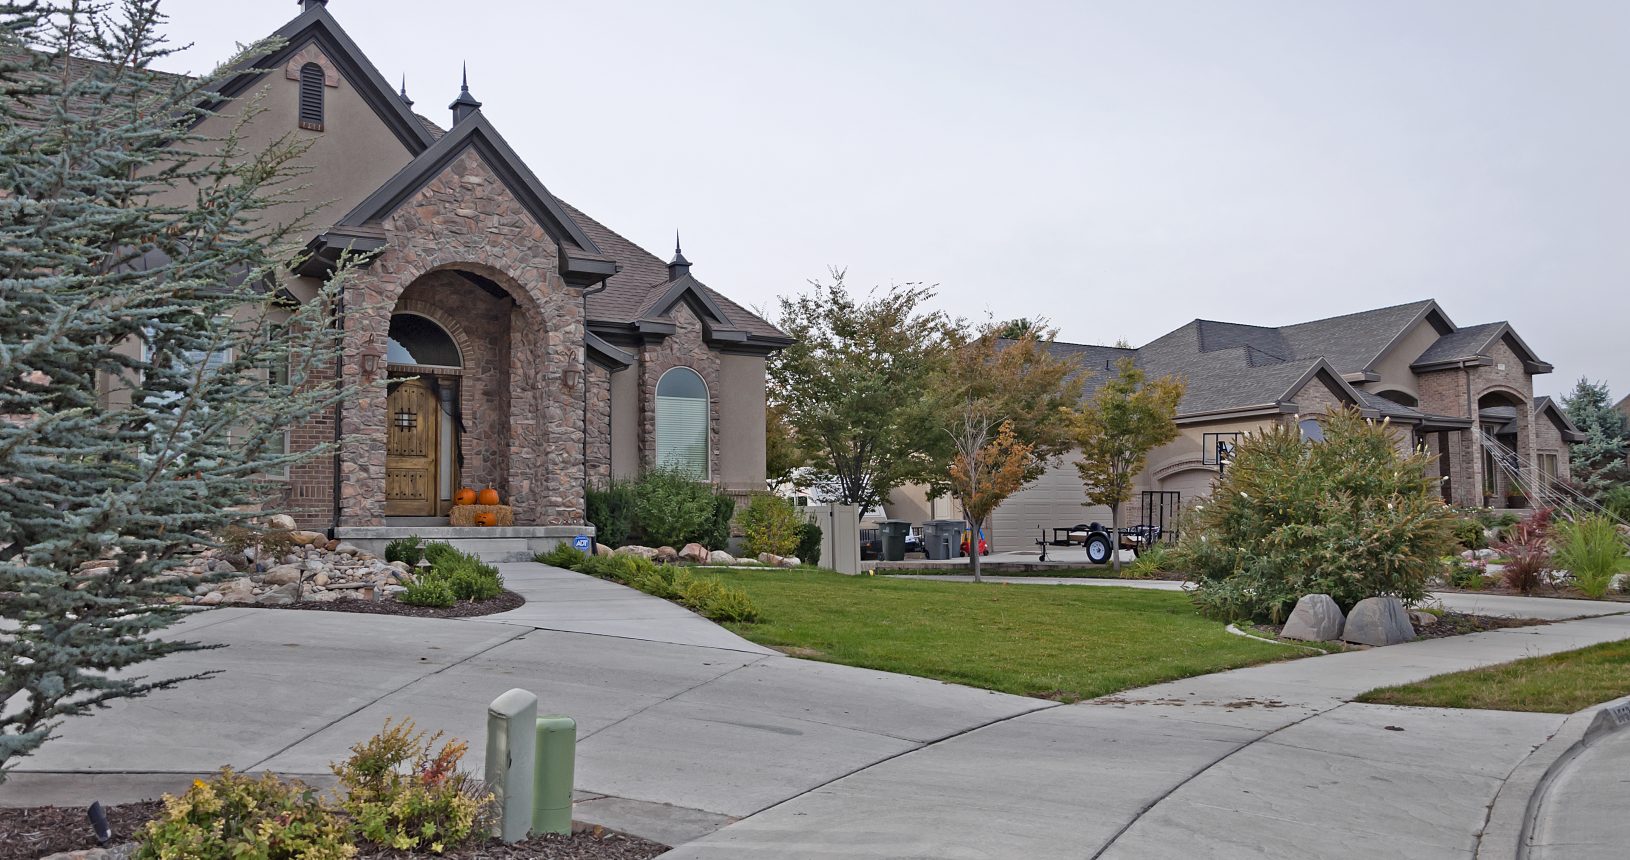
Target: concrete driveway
682 725
695 737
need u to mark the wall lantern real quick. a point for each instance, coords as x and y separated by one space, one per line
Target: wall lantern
569 378
370 361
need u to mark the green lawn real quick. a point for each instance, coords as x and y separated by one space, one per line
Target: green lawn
1100 572
1558 684
1059 642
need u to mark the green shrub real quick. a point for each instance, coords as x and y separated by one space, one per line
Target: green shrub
408 549
1158 558
563 555
439 552
1351 517
1470 533
1591 549
712 599
472 580
809 544
724 512
1470 576
233 816
707 597
1617 502
611 509
428 590
671 508
770 524
404 794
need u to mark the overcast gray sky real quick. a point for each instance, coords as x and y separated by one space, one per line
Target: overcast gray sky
1119 167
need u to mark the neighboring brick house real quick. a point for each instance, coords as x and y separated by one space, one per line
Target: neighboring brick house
1444 387
546 352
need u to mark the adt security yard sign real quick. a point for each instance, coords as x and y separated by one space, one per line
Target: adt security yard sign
582 543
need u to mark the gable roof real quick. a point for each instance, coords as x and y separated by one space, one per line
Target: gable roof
1570 431
1475 344
1354 342
316 24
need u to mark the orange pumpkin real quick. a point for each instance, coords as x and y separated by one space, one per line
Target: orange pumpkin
486 518
489 496
464 496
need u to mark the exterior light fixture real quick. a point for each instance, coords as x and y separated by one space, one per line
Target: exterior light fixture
370 362
569 378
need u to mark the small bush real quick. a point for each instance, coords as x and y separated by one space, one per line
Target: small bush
770 524
1591 549
716 601
1470 534
1469 575
1617 502
671 508
563 555
1527 549
1158 558
409 549
809 544
428 591
233 816
404 794
472 580
611 509
707 596
724 513
439 552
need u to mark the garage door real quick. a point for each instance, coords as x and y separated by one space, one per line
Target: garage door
1052 500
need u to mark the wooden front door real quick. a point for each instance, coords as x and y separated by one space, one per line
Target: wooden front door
411 436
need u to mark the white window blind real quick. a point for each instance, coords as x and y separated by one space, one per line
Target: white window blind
682 434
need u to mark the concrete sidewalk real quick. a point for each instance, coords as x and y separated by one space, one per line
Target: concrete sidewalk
1270 761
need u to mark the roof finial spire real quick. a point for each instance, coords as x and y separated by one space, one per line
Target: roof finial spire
678 267
405 100
465 104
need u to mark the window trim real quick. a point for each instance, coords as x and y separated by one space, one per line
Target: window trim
707 422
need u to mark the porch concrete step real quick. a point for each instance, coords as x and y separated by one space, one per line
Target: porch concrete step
493 544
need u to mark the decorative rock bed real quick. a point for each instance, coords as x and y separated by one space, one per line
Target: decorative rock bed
695 553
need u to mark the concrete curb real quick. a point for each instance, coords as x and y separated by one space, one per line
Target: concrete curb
1509 828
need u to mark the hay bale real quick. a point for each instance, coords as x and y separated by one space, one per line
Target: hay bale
464 515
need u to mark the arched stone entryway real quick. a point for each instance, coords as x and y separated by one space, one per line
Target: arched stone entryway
1504 440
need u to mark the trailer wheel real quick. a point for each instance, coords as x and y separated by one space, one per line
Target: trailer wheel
1098 549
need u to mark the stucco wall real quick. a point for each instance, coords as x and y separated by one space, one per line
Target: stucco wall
741 422
1393 367
625 423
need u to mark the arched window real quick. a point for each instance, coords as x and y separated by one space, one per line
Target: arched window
682 422
311 97
416 340
1312 430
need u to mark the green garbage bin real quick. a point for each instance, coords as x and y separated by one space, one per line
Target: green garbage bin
894 538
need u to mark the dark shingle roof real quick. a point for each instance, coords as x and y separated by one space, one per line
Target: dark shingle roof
1353 342
1093 363
1467 343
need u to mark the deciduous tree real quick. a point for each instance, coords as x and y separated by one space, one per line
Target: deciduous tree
988 467
1127 417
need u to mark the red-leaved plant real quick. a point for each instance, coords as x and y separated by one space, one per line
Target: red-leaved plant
1527 548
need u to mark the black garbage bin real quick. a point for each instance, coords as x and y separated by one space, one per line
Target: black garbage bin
894 534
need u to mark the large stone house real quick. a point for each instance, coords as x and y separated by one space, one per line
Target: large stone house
1464 393
539 350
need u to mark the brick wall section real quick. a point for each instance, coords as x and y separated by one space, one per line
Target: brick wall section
684 348
309 493
1316 398
597 391
1548 440
1505 376
466 219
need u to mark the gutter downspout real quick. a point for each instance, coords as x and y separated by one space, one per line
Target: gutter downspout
339 377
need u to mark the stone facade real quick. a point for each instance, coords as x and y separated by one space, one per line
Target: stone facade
466 219
597 448
684 348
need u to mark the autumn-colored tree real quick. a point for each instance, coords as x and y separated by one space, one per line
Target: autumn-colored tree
783 456
1127 418
990 465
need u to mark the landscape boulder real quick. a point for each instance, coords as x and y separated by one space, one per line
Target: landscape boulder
635 549
307 538
1422 618
719 556
666 553
790 561
281 522
694 553
283 574
601 549
1316 618
1378 621
770 559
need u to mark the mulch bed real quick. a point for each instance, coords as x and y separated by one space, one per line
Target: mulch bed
463 609
1450 624
29 833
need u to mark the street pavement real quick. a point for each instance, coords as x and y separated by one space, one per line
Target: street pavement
695 737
